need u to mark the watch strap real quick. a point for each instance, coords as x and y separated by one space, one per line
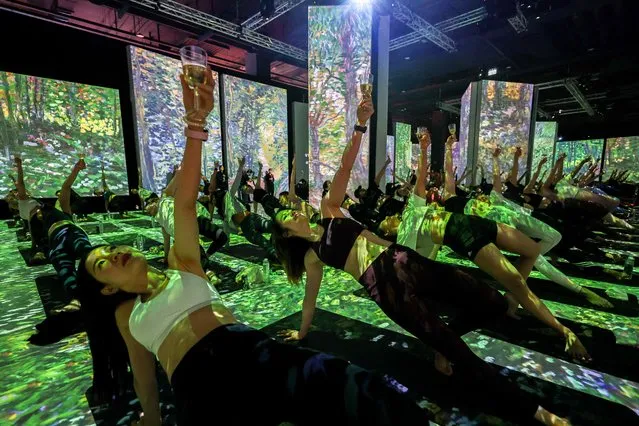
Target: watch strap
359 128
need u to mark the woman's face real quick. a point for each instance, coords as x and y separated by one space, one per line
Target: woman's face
294 222
118 268
390 225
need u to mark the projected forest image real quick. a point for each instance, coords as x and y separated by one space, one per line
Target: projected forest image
544 144
403 150
159 114
50 123
460 149
623 154
256 127
390 153
578 150
505 122
339 41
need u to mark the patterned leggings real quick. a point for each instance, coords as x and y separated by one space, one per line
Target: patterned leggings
239 376
405 285
68 243
207 228
254 227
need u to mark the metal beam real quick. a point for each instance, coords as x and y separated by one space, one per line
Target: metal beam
257 21
574 90
425 29
569 100
448 107
174 10
465 19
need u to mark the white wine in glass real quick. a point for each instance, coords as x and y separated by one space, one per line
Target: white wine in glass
366 84
452 128
194 75
194 62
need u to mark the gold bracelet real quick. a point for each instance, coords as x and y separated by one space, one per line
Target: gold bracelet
200 124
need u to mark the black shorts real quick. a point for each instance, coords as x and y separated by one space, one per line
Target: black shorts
466 235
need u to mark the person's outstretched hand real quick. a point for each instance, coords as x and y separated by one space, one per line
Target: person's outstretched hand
365 110
205 102
424 141
497 152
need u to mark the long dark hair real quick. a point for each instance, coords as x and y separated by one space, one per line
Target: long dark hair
111 364
290 251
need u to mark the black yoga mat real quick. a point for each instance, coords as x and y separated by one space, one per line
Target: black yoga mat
226 275
410 362
93 228
130 239
27 256
246 251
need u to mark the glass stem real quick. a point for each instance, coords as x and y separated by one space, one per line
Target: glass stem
196 99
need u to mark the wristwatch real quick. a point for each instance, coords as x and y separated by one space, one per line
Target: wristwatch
194 134
359 128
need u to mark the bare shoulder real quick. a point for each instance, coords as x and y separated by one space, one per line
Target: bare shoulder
311 259
123 313
329 210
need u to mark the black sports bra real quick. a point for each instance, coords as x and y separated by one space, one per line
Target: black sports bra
456 204
339 236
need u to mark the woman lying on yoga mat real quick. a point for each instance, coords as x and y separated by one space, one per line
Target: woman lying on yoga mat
503 211
403 284
219 369
66 241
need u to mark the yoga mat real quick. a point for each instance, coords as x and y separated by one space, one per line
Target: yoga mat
410 362
27 255
246 251
130 239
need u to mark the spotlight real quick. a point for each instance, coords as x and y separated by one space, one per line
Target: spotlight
561 138
407 58
492 71
362 3
139 35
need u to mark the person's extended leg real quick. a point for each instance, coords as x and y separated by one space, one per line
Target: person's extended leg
252 228
62 258
534 228
514 241
214 232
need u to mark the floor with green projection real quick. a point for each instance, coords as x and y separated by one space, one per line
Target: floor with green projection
47 385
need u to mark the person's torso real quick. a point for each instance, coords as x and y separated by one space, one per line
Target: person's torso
177 316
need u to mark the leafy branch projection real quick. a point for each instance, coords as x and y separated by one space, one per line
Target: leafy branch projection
403 149
544 142
256 125
460 149
51 122
339 52
159 112
577 150
623 154
504 121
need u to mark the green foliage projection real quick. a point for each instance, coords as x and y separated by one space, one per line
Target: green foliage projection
623 154
544 143
403 150
505 122
390 153
159 114
52 122
256 127
339 41
578 150
460 149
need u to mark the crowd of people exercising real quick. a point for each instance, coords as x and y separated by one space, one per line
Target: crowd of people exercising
388 241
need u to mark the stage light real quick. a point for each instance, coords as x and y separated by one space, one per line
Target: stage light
139 35
362 3
561 138
492 71
539 17
407 58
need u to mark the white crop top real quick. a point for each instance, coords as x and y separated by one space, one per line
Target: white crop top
151 321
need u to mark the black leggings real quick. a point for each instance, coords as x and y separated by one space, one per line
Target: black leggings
68 243
254 227
404 285
207 228
239 376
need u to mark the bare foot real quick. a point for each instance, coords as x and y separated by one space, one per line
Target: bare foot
595 299
546 417
443 365
513 305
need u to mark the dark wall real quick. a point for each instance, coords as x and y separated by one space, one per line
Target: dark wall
42 49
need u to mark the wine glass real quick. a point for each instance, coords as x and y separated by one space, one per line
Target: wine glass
366 84
452 128
422 130
194 62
